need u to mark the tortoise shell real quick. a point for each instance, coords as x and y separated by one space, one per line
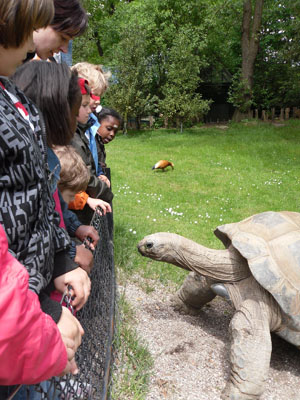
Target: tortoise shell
270 242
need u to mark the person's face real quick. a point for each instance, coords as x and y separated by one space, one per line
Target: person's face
84 110
74 113
68 195
108 129
48 41
12 57
93 105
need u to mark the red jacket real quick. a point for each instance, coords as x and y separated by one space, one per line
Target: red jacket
31 349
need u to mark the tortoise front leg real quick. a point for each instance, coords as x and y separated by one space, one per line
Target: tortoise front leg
194 293
250 351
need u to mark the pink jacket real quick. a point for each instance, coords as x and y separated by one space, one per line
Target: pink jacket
31 349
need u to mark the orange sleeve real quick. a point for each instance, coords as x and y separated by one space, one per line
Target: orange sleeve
79 202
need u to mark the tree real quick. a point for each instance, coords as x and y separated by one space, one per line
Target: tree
180 100
242 89
157 59
277 76
130 92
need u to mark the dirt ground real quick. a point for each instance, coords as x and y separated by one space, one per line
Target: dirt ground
191 352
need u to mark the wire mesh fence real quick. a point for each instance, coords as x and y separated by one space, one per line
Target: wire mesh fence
94 356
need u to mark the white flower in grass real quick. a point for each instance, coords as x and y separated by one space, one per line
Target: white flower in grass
221 219
139 201
196 222
130 230
134 232
154 219
148 216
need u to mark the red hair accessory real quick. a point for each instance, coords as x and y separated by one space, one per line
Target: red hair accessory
82 82
94 97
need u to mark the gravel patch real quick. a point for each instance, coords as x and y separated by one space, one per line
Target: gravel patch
191 352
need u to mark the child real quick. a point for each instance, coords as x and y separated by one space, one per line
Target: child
96 77
96 188
98 83
26 208
26 332
53 87
110 122
74 174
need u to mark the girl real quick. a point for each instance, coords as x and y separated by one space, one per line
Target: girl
53 88
96 189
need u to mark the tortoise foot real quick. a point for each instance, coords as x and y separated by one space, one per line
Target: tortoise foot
180 306
231 392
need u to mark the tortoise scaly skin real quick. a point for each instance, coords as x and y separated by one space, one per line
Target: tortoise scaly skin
260 273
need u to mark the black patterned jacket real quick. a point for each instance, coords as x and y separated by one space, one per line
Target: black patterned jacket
26 205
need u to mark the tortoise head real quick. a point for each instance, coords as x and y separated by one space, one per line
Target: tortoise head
156 246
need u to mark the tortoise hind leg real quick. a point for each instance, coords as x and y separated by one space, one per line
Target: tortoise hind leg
250 352
194 293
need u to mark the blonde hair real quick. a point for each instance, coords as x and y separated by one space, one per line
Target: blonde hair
19 18
94 74
74 174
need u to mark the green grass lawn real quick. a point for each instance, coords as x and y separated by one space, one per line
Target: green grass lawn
220 176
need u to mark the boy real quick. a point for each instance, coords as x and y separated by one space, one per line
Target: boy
74 174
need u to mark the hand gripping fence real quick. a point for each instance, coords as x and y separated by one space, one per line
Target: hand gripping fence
94 356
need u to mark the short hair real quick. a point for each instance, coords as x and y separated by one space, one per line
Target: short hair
74 174
54 89
19 18
108 112
69 18
94 74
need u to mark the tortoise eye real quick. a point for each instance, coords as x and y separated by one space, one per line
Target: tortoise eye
149 245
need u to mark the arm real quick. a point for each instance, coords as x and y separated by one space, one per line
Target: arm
82 198
79 201
30 342
96 188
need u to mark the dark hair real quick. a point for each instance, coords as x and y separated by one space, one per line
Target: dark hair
54 89
18 19
69 18
108 112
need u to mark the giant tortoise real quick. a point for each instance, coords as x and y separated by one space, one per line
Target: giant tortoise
259 272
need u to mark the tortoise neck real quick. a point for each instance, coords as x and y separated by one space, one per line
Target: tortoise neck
220 265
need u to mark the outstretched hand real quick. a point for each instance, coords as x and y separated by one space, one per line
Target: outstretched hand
85 231
71 333
94 203
81 286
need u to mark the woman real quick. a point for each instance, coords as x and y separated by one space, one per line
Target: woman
69 21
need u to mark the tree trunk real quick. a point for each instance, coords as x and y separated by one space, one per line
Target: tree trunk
250 41
125 123
166 122
151 121
98 43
